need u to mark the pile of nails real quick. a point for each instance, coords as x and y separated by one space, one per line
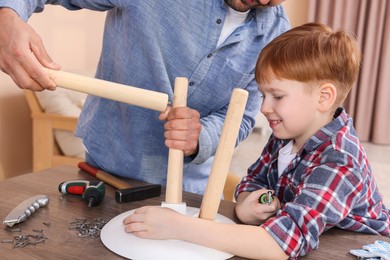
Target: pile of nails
26 240
88 229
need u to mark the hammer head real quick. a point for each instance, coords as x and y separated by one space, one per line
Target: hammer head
138 193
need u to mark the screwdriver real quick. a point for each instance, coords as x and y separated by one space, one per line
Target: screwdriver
91 191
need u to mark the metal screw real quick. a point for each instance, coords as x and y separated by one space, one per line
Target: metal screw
46 223
25 240
85 229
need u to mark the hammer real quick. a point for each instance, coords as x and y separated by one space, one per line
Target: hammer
111 90
124 192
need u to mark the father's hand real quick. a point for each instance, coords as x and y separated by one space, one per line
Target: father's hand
22 53
182 129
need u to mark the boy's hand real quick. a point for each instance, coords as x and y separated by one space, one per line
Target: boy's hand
182 129
250 211
153 222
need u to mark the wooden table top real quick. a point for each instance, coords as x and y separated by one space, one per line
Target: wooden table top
63 243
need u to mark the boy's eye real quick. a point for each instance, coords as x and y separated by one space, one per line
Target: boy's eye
278 97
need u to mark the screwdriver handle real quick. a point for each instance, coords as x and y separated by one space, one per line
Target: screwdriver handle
91 191
75 187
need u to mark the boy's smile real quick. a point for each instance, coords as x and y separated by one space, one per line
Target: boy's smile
273 123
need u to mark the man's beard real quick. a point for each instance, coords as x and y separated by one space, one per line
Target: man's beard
233 4
243 6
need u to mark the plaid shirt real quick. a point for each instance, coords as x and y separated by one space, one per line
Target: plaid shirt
328 184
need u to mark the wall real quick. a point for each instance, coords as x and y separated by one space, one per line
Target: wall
15 130
297 11
73 39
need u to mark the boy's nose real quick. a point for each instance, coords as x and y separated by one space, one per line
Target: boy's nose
265 107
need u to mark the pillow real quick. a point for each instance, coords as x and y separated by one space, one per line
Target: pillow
68 103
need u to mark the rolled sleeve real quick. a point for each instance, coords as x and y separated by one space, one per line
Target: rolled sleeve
20 7
291 230
205 147
322 201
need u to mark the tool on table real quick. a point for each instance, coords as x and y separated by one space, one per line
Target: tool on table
223 155
106 89
173 195
379 250
125 192
25 209
266 198
88 228
91 191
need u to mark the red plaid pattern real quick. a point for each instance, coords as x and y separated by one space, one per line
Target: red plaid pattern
328 184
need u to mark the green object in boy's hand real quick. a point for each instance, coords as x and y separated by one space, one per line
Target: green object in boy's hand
266 198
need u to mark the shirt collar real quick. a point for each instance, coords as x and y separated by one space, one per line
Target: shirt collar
340 120
263 16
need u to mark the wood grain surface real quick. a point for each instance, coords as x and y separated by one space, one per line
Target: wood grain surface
63 243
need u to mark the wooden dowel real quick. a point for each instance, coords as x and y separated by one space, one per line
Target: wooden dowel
174 188
223 157
114 91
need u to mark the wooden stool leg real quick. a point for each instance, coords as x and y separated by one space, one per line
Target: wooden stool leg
174 190
223 156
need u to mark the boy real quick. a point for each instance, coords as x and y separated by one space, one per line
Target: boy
313 161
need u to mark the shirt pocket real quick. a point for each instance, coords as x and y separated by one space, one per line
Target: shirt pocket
231 76
215 92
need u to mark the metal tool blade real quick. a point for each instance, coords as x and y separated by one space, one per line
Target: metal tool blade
25 209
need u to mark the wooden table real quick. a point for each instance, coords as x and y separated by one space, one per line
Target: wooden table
63 243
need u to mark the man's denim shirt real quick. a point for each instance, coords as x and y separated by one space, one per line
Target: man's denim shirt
147 44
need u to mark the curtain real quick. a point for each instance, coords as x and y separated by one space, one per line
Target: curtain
369 100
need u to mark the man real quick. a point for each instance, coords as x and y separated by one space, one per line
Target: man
148 44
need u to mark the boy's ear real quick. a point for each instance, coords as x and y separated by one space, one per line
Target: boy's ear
328 95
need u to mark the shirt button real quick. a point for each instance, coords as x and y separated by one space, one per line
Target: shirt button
191 83
219 21
210 54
